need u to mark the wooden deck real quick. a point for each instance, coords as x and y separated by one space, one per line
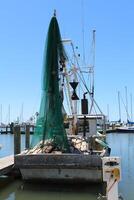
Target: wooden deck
6 164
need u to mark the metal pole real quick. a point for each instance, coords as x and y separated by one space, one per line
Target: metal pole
84 126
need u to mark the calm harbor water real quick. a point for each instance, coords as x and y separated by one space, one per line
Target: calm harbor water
7 142
122 145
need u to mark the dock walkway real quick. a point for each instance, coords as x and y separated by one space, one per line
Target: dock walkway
6 164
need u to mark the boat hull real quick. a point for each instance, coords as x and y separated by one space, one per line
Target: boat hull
121 130
64 167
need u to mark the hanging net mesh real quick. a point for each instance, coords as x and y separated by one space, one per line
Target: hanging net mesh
49 124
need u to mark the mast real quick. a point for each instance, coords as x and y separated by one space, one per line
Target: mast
68 41
9 112
83 30
73 83
126 103
1 114
131 103
21 113
108 112
119 106
75 79
91 71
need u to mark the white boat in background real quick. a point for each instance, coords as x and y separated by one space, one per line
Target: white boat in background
128 129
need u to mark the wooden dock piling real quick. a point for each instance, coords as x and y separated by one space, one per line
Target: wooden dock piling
27 136
17 140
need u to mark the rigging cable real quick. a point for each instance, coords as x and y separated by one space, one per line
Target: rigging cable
83 80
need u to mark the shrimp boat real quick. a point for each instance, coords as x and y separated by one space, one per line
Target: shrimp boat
65 146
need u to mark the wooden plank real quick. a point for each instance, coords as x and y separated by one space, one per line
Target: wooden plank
6 164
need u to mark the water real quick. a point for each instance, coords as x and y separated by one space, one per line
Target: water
20 191
7 142
122 145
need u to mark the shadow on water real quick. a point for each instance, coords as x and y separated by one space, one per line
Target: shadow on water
18 190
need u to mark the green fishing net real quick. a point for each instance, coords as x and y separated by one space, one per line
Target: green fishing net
49 124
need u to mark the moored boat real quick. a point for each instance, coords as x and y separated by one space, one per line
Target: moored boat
57 153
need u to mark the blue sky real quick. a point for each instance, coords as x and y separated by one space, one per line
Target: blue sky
23 28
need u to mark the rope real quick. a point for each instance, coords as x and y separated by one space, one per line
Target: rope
111 185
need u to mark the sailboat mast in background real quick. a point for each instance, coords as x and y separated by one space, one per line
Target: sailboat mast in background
1 114
126 103
131 104
119 106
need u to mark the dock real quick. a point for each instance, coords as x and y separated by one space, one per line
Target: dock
9 129
6 164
